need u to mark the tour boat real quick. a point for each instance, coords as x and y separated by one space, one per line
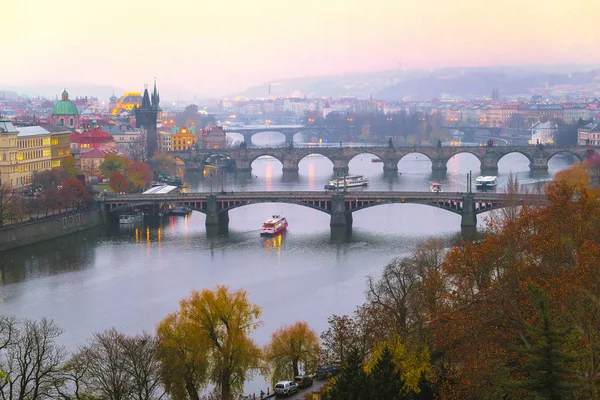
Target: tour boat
435 187
274 226
131 217
375 159
348 182
486 181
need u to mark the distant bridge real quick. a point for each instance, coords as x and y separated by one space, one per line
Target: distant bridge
289 131
339 205
489 157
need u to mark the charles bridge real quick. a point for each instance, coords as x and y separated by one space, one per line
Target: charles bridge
339 205
290 157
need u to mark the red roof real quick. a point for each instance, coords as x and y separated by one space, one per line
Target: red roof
94 136
99 153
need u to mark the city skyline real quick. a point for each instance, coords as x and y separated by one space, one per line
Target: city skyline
215 49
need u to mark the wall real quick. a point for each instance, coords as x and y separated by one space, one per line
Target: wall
51 228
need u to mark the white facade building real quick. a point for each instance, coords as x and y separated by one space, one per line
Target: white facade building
543 132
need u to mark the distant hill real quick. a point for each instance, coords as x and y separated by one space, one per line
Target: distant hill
421 84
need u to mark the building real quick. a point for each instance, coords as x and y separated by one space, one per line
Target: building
124 135
326 110
214 138
94 138
90 160
60 145
146 117
65 112
589 135
184 139
23 152
543 132
126 103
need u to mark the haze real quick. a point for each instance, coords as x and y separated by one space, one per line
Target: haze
219 47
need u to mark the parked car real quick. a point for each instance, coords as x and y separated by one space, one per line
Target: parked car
285 388
327 371
303 381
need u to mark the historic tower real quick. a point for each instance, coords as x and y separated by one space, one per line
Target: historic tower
146 116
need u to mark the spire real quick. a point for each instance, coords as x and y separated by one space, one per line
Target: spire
146 105
155 98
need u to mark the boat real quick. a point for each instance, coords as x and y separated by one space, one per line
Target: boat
375 159
435 187
178 210
274 226
486 181
347 182
130 218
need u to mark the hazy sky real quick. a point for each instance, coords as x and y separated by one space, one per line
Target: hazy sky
221 46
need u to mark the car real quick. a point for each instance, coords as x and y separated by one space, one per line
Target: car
303 381
285 388
327 371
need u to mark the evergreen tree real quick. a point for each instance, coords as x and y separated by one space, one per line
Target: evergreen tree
385 380
547 366
351 383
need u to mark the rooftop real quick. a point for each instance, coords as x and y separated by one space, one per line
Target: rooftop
32 131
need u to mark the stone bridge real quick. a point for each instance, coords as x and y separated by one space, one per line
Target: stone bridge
288 132
339 205
489 157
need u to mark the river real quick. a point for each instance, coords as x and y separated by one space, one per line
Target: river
130 278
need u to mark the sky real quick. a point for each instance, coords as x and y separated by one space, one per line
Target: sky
219 47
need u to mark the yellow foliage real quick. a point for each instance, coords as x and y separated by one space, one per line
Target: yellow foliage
413 364
577 176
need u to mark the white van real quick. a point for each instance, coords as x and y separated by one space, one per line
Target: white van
285 388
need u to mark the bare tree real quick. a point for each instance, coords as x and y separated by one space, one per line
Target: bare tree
138 150
30 358
141 363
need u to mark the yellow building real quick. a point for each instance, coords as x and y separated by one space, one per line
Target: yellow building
127 102
184 139
24 151
60 145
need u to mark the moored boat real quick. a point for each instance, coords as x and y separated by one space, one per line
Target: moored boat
435 187
273 226
347 182
375 159
486 181
130 218
179 210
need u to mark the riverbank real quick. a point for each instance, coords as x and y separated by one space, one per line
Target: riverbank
51 227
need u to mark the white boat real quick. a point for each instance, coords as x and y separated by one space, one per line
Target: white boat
486 181
348 182
274 226
435 187
130 218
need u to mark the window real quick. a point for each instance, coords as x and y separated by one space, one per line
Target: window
20 156
46 152
61 121
71 122
54 142
45 142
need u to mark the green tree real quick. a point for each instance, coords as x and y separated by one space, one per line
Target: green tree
385 380
221 321
547 366
114 163
352 382
290 348
69 168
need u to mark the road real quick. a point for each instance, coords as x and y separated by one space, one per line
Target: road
300 395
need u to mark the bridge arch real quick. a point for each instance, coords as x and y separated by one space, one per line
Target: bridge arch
266 153
367 155
311 152
413 153
513 151
454 163
315 206
566 151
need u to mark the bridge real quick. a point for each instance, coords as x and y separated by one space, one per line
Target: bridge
289 131
339 205
489 157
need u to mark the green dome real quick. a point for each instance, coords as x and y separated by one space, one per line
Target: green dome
65 106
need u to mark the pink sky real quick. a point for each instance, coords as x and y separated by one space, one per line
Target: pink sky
219 47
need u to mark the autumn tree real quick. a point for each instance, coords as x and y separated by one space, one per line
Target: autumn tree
118 182
68 169
8 198
222 321
139 175
114 163
73 193
292 348
163 163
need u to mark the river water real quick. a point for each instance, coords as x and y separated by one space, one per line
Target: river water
130 278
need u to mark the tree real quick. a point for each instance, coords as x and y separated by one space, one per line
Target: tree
291 348
73 193
139 175
163 163
69 168
7 201
114 163
385 380
547 367
352 381
222 321
138 150
118 183
30 358
47 179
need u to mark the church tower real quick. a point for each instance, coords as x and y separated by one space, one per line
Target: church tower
146 116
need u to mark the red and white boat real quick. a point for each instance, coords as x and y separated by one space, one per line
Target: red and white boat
274 226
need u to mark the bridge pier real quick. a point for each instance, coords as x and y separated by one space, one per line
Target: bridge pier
469 217
489 165
390 165
340 167
539 164
439 164
290 166
214 215
339 216
243 166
